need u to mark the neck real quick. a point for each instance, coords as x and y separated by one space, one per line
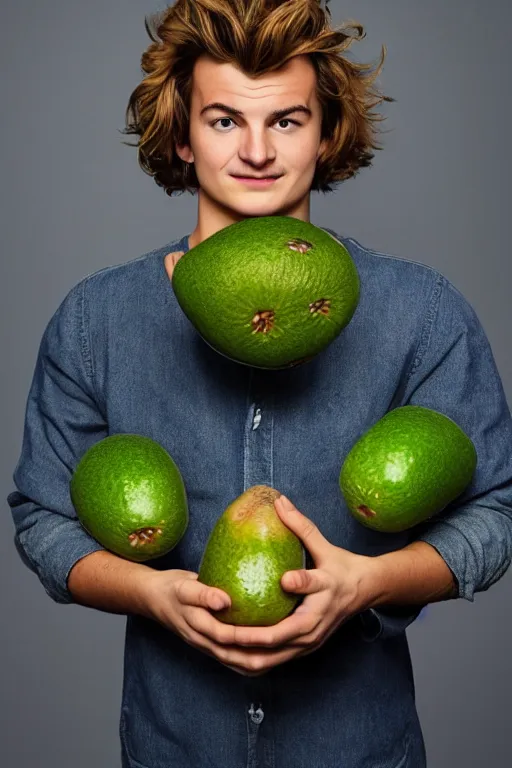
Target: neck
213 217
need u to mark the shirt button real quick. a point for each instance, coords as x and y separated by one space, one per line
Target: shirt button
257 715
256 419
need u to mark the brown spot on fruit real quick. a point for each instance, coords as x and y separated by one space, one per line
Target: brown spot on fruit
263 321
144 536
250 500
366 511
321 305
302 246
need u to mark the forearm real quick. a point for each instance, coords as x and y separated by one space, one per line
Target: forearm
414 575
110 583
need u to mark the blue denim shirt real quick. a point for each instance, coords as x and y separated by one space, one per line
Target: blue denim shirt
119 356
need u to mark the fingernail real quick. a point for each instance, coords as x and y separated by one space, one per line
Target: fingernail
218 603
285 502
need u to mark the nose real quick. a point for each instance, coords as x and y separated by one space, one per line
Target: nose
256 148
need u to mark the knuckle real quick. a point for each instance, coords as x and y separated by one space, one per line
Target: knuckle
308 635
181 591
222 654
317 637
312 628
309 530
255 663
202 595
220 636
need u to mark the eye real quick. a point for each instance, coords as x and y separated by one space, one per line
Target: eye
282 120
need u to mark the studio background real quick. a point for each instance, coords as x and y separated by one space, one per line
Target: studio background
74 200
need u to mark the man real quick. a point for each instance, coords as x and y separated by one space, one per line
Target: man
332 684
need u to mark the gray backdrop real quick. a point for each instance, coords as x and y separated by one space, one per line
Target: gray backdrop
74 200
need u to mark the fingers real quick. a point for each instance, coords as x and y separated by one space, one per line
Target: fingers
244 672
309 534
252 662
303 581
222 641
207 625
193 592
295 630
245 662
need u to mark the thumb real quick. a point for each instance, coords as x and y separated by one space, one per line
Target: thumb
302 582
301 526
194 592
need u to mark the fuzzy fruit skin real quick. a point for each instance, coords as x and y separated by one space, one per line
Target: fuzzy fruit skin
247 553
406 468
249 267
128 482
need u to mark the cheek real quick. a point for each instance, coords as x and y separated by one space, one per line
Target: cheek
306 152
209 149
214 154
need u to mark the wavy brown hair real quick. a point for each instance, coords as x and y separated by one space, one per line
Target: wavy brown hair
257 36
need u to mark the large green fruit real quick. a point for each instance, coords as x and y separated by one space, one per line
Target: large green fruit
406 468
129 495
269 292
246 556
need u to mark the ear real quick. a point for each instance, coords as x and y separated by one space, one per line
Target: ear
185 153
322 147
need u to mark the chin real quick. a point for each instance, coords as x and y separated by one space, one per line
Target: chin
264 208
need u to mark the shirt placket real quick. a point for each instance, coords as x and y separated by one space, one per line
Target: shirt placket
258 437
258 470
258 715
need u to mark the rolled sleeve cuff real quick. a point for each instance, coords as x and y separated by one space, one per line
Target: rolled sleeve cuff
456 551
57 553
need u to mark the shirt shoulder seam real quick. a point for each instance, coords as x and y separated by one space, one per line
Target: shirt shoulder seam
390 257
85 346
84 314
428 324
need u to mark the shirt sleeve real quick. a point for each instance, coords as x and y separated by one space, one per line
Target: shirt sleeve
457 376
454 372
62 420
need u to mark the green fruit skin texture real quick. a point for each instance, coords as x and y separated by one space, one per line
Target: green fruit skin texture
247 553
125 483
407 468
248 267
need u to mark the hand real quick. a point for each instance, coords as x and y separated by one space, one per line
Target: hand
182 604
335 590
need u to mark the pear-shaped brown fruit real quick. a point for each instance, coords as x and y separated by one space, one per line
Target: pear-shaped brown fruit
247 553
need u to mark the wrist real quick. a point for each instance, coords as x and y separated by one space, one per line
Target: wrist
372 583
148 590
360 585
414 575
110 583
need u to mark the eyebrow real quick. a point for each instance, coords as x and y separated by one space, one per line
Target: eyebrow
275 115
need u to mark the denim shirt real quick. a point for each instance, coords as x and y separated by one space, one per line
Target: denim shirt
119 356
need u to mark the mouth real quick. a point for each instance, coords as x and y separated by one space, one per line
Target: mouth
262 181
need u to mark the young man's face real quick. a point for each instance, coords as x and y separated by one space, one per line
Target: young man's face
224 145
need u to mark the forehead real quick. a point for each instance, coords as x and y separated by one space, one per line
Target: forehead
216 81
